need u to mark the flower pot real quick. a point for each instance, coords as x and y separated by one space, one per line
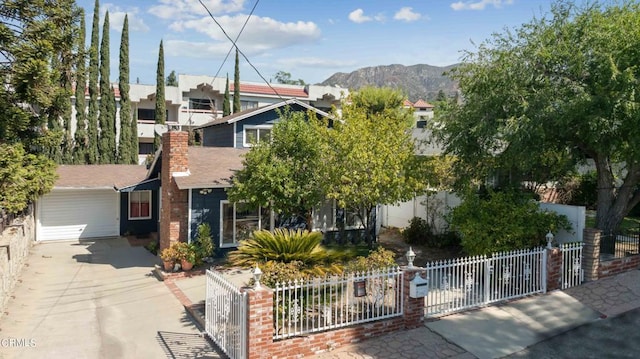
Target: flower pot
168 266
186 265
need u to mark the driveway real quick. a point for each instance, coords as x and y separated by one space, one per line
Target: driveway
96 299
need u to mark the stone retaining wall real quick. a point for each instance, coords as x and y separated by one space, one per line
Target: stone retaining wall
15 242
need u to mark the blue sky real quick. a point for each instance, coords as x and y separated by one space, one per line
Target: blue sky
310 39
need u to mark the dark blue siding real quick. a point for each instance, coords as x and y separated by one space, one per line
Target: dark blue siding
266 118
142 226
205 208
218 136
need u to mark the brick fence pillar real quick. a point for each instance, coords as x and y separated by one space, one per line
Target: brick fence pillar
554 268
260 323
591 253
413 307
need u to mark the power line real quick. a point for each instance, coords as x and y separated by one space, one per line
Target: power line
237 37
240 51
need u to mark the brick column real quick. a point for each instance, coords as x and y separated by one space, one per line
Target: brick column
175 202
591 253
413 307
554 268
260 323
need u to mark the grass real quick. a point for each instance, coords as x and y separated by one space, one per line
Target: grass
628 223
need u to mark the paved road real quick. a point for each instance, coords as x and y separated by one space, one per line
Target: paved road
96 300
617 337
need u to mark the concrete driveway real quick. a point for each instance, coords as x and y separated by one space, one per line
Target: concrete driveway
96 299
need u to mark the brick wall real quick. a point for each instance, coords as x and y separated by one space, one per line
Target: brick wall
175 202
618 265
554 268
15 242
260 327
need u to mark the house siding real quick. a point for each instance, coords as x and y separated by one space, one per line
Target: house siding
205 208
218 136
139 226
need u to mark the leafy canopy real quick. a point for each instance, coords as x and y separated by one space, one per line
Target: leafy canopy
555 92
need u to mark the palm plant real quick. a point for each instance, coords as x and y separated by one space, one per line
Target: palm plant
286 246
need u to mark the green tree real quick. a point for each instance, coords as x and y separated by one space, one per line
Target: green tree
37 48
172 79
107 143
368 158
282 174
161 106
80 136
283 77
236 85
226 105
124 142
92 115
557 91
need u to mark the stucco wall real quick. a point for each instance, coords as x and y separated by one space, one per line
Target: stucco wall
15 242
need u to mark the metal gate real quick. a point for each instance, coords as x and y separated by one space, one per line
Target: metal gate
226 316
572 272
463 283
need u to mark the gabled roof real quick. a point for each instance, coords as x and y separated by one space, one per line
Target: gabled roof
271 90
99 176
211 167
407 103
422 104
239 116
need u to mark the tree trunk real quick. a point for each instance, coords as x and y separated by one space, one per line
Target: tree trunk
614 202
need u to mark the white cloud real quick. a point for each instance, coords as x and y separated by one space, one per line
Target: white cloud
116 18
407 14
479 5
190 9
358 16
260 34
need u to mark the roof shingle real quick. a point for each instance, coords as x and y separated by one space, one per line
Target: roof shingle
99 176
211 167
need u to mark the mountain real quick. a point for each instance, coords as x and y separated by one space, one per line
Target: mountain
417 81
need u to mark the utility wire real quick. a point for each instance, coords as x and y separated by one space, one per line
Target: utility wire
240 51
237 37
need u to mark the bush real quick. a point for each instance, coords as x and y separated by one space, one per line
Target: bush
418 232
278 272
204 242
503 221
377 259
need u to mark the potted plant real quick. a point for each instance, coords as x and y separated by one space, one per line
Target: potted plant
169 256
187 255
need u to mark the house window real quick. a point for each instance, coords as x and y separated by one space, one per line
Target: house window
330 215
140 205
203 104
239 220
149 114
245 105
421 124
255 134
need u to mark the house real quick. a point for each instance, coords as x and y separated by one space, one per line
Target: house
183 188
197 100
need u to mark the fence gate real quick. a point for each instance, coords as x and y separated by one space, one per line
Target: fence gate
572 271
226 316
463 283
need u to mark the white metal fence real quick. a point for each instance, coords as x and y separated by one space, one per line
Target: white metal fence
572 271
226 316
462 283
302 307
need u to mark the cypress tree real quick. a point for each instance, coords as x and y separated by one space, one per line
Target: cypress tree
124 143
161 107
236 86
226 105
80 137
172 80
92 116
107 143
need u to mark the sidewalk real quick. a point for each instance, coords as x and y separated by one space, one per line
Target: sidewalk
490 332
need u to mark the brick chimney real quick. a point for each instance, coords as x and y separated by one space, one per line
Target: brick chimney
175 202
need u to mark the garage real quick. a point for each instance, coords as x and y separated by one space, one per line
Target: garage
78 214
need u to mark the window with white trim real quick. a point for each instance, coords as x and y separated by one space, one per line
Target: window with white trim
255 134
139 205
239 220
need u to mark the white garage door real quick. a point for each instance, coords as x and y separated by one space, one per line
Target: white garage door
76 214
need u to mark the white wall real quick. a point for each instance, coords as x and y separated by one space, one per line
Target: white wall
576 216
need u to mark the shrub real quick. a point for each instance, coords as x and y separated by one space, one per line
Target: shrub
278 272
377 259
418 232
284 246
204 243
503 221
